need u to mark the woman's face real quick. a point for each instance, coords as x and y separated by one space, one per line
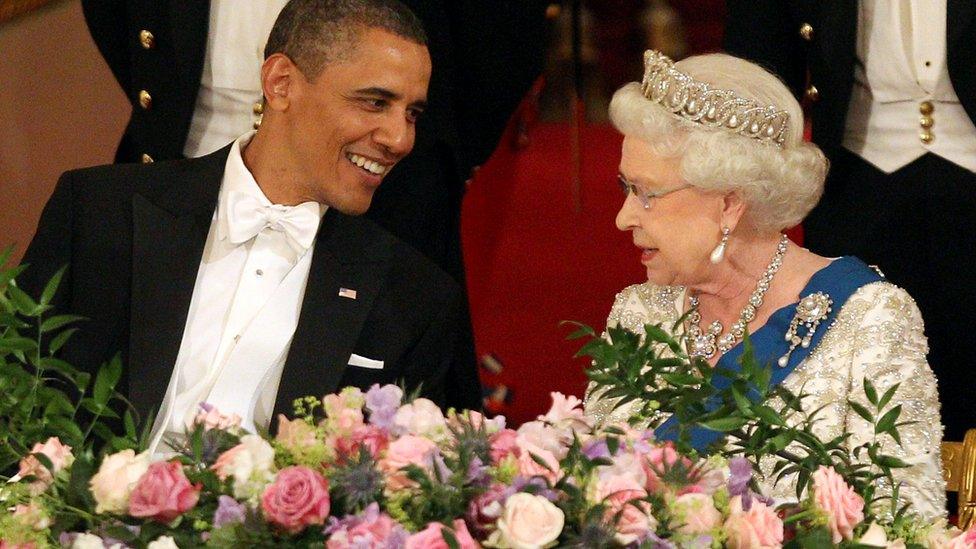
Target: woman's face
678 232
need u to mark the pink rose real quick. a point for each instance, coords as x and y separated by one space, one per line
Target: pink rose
534 435
843 506
406 450
299 497
211 418
421 418
433 538
503 444
965 540
758 528
658 461
374 439
529 521
163 493
4 544
60 456
696 513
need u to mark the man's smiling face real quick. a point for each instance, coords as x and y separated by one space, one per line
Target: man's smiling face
351 124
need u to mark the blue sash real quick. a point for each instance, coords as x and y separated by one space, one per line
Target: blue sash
839 280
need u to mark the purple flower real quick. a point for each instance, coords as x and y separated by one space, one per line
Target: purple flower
520 483
477 473
370 530
383 403
596 448
740 474
228 511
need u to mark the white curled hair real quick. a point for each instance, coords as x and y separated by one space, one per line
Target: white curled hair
780 185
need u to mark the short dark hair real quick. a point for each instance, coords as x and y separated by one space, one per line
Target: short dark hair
313 33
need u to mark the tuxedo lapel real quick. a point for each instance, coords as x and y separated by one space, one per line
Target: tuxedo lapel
170 225
350 254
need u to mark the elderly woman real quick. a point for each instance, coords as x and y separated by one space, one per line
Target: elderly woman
714 168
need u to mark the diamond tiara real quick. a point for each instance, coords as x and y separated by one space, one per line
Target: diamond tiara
694 101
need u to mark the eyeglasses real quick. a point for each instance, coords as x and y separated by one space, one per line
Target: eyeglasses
644 197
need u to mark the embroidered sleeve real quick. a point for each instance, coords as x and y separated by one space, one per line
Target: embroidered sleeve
889 347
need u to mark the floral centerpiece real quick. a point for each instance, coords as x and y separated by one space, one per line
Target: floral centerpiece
383 468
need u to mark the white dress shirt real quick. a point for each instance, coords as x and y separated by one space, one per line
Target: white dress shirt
230 85
900 72
243 313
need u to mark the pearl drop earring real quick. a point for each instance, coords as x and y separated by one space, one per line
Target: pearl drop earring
719 252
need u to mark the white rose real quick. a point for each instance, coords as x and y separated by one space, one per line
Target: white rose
163 542
876 536
529 521
115 480
249 463
421 418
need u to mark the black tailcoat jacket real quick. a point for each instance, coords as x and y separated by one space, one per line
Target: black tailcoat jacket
133 237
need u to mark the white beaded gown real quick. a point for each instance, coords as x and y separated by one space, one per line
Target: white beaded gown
878 334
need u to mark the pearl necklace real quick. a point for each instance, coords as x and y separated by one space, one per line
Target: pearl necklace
704 343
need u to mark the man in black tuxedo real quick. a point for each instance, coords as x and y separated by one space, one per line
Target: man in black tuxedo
485 53
893 93
226 267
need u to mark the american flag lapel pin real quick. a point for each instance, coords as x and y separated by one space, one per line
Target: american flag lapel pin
347 293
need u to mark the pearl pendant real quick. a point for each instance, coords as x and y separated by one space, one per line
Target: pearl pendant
717 254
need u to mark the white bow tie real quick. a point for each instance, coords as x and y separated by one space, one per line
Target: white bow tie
247 216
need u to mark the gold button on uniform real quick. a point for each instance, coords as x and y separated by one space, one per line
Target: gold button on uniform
146 159
926 107
553 10
926 136
145 100
812 93
147 39
806 31
926 121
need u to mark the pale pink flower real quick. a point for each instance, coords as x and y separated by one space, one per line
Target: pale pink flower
842 505
294 434
374 439
758 528
529 467
567 411
529 521
163 493
116 477
299 497
211 418
503 444
250 463
60 456
32 515
344 411
633 517
432 537
534 435
965 540
406 450
696 513
420 418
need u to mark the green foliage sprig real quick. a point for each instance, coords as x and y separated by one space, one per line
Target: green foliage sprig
656 378
40 394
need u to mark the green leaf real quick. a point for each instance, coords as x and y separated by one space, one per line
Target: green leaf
870 392
743 403
886 398
52 286
10 274
59 340
724 424
59 321
108 376
890 462
887 421
23 302
582 329
17 344
861 411
769 416
450 539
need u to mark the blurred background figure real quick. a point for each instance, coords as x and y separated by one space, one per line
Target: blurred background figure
892 90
